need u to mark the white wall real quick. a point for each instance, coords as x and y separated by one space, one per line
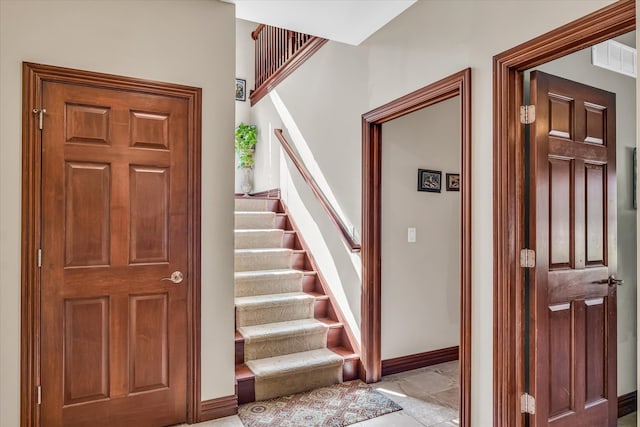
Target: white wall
429 41
578 67
181 41
421 280
245 60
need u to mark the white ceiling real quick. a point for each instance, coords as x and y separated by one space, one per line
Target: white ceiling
346 21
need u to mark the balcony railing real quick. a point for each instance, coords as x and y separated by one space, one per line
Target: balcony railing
278 52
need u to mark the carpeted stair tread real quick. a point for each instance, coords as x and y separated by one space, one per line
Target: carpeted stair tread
294 363
254 204
262 282
281 329
276 339
261 309
247 303
282 344
253 238
253 220
263 259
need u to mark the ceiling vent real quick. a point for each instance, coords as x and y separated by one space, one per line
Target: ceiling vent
615 56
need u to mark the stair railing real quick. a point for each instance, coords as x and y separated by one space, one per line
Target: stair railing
278 52
324 202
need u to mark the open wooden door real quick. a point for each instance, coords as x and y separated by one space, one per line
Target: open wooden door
114 257
573 225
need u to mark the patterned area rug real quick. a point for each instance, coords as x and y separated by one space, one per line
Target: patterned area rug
334 406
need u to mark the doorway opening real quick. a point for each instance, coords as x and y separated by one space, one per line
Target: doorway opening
450 87
510 346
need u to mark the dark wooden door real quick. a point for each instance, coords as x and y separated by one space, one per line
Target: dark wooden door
114 217
573 199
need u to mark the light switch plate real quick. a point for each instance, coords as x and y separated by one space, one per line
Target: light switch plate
411 235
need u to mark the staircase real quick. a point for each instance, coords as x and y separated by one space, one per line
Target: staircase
288 334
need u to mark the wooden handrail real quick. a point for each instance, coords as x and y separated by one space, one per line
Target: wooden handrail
324 202
256 32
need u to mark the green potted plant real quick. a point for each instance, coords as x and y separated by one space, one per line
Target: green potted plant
246 140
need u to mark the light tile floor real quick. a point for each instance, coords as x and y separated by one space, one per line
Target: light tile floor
630 420
429 398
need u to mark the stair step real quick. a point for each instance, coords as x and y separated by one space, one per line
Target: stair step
249 204
258 238
253 220
264 259
276 339
261 309
264 282
296 372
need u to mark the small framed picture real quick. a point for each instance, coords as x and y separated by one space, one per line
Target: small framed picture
429 180
453 182
241 90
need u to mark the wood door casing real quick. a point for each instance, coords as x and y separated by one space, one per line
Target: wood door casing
114 189
573 201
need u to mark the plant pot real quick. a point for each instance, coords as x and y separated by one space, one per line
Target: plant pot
246 184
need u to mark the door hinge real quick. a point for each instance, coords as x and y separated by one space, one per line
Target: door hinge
39 257
527 404
527 114
39 397
527 258
40 112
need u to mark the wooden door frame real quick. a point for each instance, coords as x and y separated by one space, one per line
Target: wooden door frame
33 77
508 167
458 84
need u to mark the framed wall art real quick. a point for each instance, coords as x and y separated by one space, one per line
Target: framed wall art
241 90
453 182
429 180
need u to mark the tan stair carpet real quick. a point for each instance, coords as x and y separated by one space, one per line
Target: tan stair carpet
263 259
277 339
293 373
272 308
251 239
248 204
263 282
284 346
254 220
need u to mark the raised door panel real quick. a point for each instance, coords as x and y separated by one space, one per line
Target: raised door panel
88 124
149 214
595 350
148 343
560 218
561 123
561 357
595 196
87 214
149 130
86 350
596 119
